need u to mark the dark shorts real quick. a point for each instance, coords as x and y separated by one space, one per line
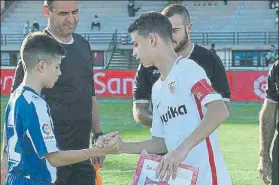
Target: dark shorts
77 174
74 135
13 179
275 163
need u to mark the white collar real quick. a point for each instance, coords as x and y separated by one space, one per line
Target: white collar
190 51
59 40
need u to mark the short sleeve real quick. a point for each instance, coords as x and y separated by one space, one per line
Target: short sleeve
197 81
93 84
91 60
219 79
142 87
271 92
40 129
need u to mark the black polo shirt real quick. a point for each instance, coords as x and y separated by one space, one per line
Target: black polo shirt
71 97
272 92
208 60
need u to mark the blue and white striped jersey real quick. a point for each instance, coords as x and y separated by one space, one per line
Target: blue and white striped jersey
30 135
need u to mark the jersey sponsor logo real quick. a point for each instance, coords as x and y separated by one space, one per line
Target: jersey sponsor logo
172 113
172 87
201 89
260 86
155 71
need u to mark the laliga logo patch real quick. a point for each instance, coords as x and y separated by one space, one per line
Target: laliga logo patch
46 129
260 86
172 87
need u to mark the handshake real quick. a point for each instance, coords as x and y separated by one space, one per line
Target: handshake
110 143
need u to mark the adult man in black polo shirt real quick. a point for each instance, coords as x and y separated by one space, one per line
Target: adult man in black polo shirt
267 121
211 63
72 100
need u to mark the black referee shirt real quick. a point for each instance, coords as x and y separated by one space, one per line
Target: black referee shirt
272 92
71 97
209 61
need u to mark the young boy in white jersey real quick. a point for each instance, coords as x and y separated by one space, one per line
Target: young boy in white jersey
31 154
180 98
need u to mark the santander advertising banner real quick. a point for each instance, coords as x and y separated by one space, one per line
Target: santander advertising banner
245 86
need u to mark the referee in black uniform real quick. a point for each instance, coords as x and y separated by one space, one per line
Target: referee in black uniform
72 100
209 61
269 168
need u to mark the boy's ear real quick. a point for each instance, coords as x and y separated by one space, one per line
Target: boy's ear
41 66
152 39
46 11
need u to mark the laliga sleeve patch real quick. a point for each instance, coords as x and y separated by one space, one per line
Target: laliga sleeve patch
47 132
201 89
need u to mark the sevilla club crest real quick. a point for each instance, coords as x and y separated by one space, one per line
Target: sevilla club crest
172 87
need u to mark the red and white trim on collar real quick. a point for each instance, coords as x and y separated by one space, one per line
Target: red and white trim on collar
181 56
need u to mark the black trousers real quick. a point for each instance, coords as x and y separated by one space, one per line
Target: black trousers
74 135
275 163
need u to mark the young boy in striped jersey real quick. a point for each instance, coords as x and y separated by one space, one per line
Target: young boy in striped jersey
30 153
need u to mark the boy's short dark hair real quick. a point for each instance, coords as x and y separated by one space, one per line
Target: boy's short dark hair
177 9
39 46
152 22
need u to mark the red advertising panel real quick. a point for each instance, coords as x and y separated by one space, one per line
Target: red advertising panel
245 86
108 83
114 83
230 79
7 78
249 86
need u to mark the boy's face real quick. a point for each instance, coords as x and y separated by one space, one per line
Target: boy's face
142 49
51 72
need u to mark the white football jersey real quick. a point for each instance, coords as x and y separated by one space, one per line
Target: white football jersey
178 108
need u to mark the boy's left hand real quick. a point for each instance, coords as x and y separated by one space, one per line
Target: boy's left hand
170 163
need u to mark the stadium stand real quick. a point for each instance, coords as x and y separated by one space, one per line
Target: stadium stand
117 18
239 24
236 16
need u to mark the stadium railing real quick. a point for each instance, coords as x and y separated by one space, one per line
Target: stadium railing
100 37
111 48
93 38
202 38
5 4
235 38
